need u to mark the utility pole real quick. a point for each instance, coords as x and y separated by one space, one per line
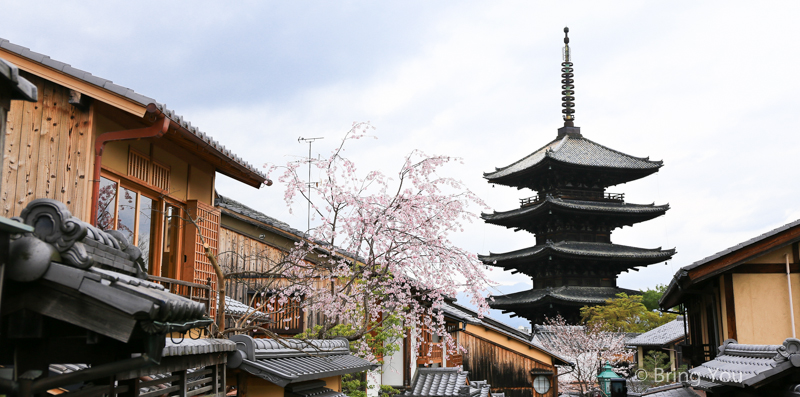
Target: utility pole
310 141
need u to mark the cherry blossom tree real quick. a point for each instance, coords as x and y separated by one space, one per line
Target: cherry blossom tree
383 244
588 347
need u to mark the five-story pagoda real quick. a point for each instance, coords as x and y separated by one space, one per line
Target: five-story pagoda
573 263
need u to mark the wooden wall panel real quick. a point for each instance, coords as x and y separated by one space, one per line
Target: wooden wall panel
507 371
47 145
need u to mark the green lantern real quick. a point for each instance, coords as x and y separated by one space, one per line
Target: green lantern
605 377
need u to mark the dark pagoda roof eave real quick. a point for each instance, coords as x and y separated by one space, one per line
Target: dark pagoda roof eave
655 255
574 152
577 207
516 179
565 295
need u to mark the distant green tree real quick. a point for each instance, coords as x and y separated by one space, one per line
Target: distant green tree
625 314
650 297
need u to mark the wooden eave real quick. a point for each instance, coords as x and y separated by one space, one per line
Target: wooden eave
179 134
686 279
65 80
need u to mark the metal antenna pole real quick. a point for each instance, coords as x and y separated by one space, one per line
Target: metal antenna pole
310 141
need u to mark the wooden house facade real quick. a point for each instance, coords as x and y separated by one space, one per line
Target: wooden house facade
122 161
734 293
503 357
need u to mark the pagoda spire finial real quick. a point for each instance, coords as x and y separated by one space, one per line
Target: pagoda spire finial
567 85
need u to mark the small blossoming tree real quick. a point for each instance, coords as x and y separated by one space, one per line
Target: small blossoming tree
588 347
383 245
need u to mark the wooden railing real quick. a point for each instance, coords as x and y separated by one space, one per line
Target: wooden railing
575 195
196 292
426 348
454 360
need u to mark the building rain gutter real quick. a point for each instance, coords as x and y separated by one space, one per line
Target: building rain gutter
791 304
156 130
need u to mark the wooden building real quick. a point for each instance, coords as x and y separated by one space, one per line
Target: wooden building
749 293
122 161
495 352
573 262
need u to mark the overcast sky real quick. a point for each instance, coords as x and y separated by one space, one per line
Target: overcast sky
711 88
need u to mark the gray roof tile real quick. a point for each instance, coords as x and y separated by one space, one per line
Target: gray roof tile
577 151
293 360
673 390
745 366
187 347
670 332
440 382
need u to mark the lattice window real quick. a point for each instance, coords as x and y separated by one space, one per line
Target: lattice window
160 176
138 166
207 220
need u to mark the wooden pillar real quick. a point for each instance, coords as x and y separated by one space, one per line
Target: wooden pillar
215 379
241 384
133 387
181 382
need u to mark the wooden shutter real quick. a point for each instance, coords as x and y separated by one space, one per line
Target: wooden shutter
197 268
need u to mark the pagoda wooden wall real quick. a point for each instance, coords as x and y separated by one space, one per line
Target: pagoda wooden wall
47 152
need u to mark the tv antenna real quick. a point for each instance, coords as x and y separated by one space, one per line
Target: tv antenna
309 141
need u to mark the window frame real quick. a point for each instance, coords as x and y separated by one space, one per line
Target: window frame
160 201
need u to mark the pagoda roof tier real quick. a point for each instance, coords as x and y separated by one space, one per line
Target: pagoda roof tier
619 213
573 150
566 295
604 252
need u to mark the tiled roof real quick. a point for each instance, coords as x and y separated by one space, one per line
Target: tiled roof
577 151
293 360
311 388
87 257
577 294
580 205
129 94
189 347
461 313
670 332
593 250
445 382
21 88
236 207
236 308
673 390
745 366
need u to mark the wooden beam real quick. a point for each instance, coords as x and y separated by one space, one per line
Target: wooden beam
745 254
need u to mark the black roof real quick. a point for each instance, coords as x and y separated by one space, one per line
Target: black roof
574 150
575 295
581 250
293 360
622 213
